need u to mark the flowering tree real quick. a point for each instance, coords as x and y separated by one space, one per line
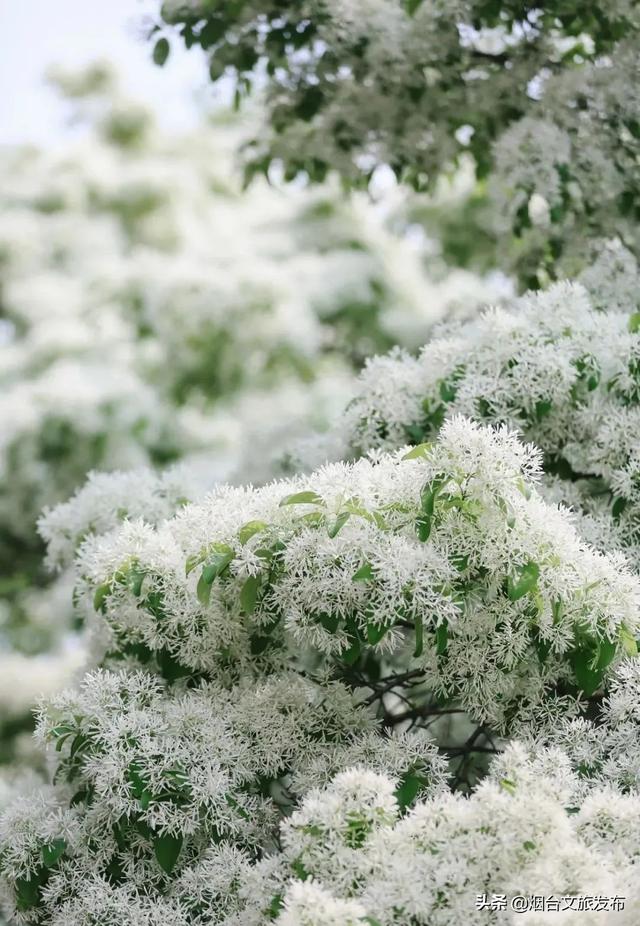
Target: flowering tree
401 688
285 671
560 370
542 96
152 312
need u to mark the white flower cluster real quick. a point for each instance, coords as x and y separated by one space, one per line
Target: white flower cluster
447 561
570 174
349 855
75 416
377 692
153 311
156 777
122 298
108 499
378 624
605 750
527 830
561 372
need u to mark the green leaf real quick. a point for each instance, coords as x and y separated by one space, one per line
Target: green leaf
249 530
604 654
428 497
209 573
460 562
169 666
212 32
192 562
299 870
249 593
523 488
629 643
138 784
136 578
167 849
203 590
217 564
634 323
100 597
53 851
525 581
364 573
447 390
352 654
80 741
154 604
62 732
618 507
423 528
161 51
301 498
419 630
328 621
217 67
588 679
421 450
508 785
338 524
274 908
542 409
353 506
375 632
442 638
589 663
380 521
27 893
538 600
557 610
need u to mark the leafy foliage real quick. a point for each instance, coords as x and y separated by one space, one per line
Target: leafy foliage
541 98
251 652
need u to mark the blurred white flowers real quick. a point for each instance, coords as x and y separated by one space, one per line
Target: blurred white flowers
153 311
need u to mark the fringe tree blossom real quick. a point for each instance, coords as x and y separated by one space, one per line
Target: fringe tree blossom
108 499
352 855
561 372
112 257
525 831
444 558
387 690
605 748
544 100
152 311
366 623
579 161
157 777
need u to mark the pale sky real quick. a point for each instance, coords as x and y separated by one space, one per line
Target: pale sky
38 33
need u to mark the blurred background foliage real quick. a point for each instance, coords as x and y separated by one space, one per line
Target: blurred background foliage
153 310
